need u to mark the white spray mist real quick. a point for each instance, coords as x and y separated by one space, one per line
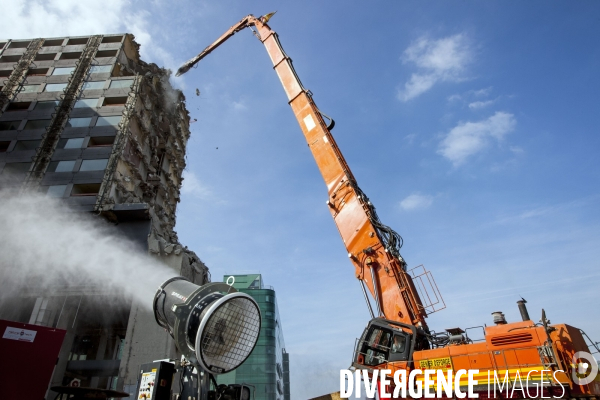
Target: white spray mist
44 244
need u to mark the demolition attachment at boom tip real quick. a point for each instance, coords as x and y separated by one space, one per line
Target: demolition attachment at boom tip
244 23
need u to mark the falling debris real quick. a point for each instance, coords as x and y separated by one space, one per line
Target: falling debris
194 120
197 92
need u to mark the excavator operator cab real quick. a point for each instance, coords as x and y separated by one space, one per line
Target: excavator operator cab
384 341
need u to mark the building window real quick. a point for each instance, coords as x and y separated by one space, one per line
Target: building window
106 53
5 73
55 87
255 284
74 143
45 105
70 56
19 45
121 70
114 101
100 69
86 103
78 122
63 70
112 39
61 166
27 145
101 141
56 191
77 41
16 168
86 189
45 56
18 106
93 85
9 125
29 89
93 165
123 83
53 42
11 59
37 72
108 121
268 299
4 146
37 123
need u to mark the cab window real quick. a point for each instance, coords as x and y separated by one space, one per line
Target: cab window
400 347
376 347
398 344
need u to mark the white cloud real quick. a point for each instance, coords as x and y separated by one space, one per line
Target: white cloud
26 19
192 186
472 96
468 138
416 201
438 60
517 149
482 92
240 105
510 163
410 138
541 211
417 85
480 104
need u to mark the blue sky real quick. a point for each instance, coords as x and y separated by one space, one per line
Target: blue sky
472 126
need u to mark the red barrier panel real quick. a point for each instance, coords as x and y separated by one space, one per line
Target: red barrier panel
28 354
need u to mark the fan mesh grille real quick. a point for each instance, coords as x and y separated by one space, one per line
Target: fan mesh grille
230 334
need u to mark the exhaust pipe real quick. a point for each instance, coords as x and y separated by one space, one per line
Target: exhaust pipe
523 309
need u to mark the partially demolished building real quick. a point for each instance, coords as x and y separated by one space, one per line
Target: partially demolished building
85 120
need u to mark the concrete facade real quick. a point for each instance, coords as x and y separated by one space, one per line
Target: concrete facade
85 120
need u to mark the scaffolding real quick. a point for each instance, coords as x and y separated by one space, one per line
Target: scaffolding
61 116
119 145
15 81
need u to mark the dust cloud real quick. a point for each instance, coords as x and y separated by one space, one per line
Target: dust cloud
43 244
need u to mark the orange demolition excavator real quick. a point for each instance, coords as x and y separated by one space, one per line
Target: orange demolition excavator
397 337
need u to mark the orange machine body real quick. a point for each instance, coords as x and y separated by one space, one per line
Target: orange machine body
515 360
373 249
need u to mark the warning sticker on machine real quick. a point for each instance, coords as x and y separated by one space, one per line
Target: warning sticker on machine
309 122
147 385
436 363
23 335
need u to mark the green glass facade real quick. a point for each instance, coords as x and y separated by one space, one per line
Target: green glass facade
267 367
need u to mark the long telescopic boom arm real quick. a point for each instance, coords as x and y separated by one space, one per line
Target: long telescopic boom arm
373 247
